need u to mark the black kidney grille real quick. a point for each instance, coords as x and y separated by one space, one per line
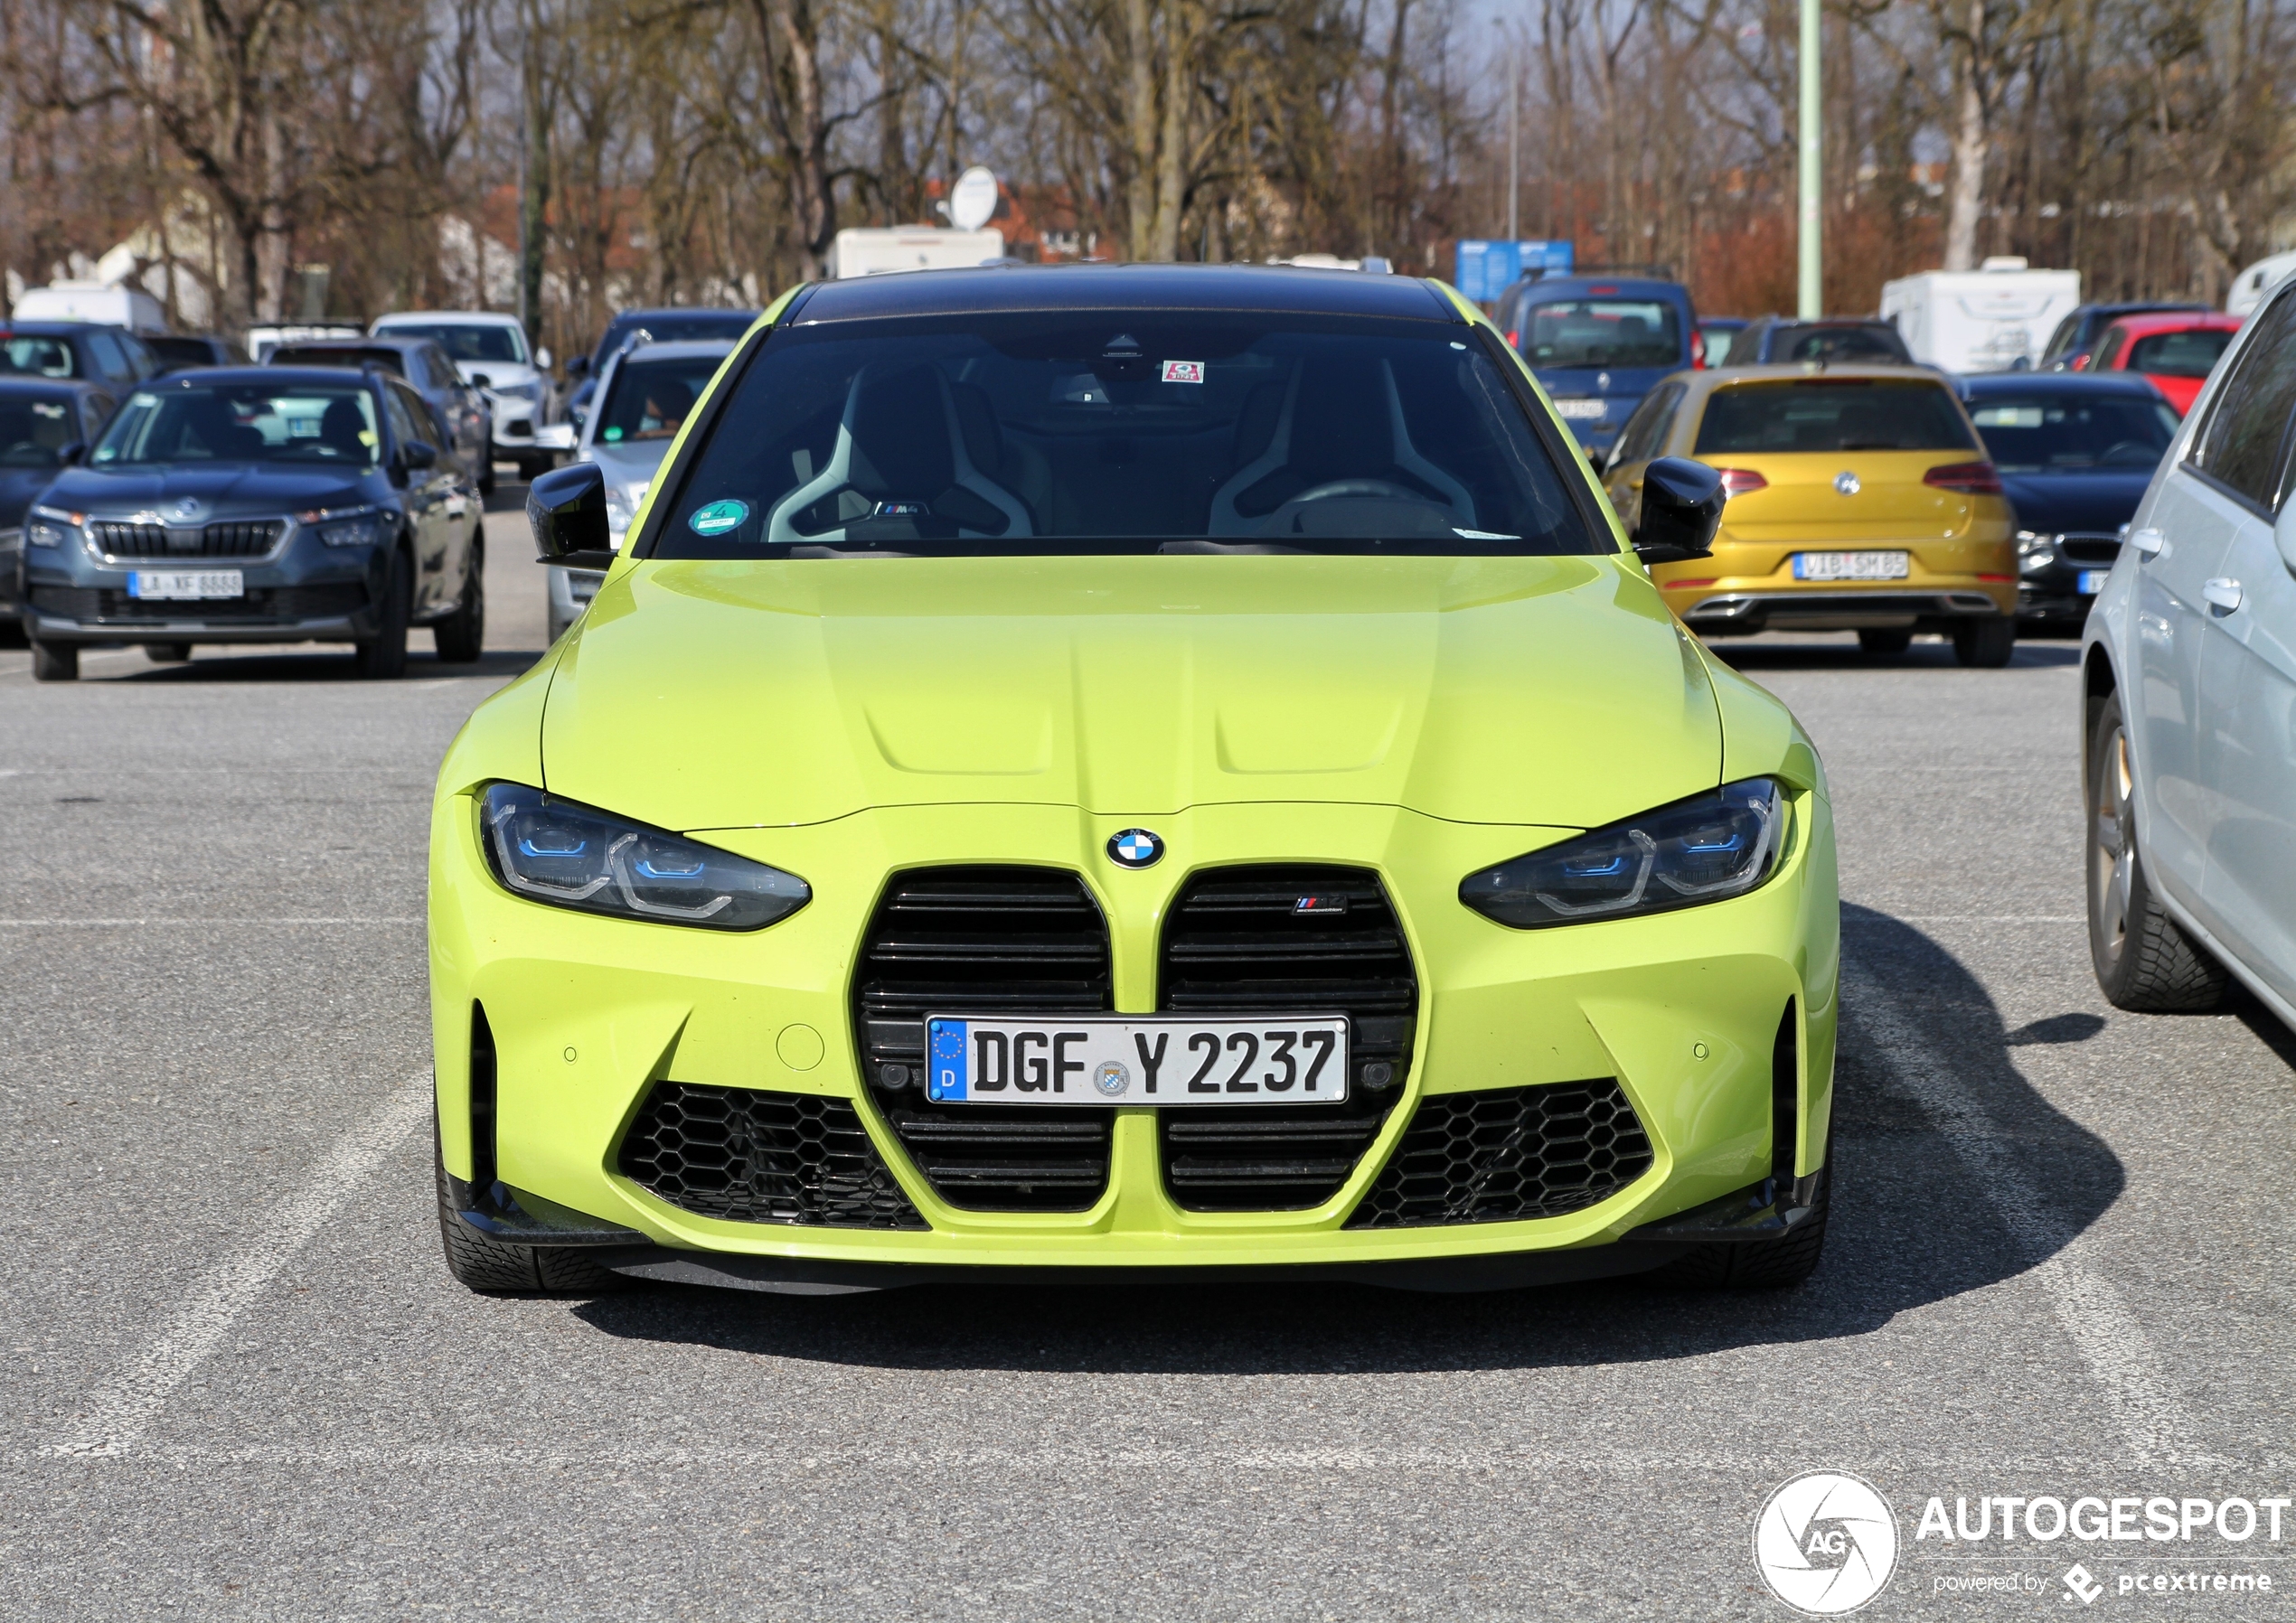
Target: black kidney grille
754 1156
1277 941
229 537
2088 548
1509 1153
983 941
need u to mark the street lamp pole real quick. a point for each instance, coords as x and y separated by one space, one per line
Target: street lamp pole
1811 299
1514 142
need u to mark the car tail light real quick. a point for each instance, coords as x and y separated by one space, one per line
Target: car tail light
1739 482
1997 578
1697 352
1970 478
1514 338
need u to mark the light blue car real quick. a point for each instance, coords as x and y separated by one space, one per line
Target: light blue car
2190 696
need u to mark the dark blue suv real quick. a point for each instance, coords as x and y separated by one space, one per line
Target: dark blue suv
258 504
1600 344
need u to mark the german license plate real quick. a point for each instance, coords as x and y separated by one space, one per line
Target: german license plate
1851 566
167 584
1138 1060
2091 581
1579 409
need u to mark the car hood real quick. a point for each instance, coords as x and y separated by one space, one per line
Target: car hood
2090 501
222 489
1554 692
19 489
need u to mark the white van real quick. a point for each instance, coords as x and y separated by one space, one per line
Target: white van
874 250
2249 287
101 304
1980 321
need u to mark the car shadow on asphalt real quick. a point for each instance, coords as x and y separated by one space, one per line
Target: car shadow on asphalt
313 666
1927 654
1911 1226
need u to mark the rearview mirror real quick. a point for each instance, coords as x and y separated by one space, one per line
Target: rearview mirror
69 457
1682 508
565 509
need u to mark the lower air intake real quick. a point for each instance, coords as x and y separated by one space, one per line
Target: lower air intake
748 1155
1509 1153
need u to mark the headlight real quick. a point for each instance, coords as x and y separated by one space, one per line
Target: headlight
50 528
519 391
1707 849
358 529
554 850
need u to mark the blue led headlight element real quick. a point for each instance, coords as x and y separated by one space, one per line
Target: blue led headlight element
570 855
1707 849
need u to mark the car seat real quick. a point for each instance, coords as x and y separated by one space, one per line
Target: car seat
341 426
1342 419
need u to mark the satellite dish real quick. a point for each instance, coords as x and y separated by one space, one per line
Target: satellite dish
973 200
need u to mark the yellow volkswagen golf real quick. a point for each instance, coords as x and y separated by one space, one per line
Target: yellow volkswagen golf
1860 499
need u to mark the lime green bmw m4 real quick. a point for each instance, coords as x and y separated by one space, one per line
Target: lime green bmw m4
1130 771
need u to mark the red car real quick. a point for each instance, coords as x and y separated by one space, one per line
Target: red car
2175 352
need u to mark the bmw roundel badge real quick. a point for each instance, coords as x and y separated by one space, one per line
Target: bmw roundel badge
1135 848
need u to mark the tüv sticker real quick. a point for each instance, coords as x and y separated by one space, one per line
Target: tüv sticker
718 517
1183 371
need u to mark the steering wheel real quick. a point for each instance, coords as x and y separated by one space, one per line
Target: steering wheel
2130 451
1279 522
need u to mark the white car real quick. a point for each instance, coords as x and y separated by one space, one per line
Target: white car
2189 660
642 399
490 352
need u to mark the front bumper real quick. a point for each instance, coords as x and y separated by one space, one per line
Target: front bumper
300 591
586 1014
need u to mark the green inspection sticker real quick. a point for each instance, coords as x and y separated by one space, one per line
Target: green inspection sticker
718 517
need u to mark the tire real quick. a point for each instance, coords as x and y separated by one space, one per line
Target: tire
1884 644
383 656
167 653
490 1266
1768 1265
2143 961
461 637
55 662
487 475
1985 643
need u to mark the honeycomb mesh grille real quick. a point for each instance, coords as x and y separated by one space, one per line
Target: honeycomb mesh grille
1509 1153
1287 940
749 1155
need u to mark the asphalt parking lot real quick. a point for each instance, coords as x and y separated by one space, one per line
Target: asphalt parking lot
239 1382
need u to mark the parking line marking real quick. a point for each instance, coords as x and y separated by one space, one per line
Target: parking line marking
123 1408
2151 1412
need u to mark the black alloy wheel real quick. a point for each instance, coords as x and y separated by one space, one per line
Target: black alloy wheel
383 656
2143 961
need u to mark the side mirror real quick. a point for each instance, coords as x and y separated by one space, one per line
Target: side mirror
543 360
417 454
565 509
481 381
554 437
579 367
1681 510
69 457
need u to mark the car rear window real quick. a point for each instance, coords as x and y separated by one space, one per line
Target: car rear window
37 356
2042 431
1833 414
466 340
1123 430
1601 332
2180 354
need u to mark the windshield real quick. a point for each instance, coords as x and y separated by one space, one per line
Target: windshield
34 428
2180 354
650 398
2043 432
39 357
1839 414
1124 430
243 422
1601 332
467 340
674 328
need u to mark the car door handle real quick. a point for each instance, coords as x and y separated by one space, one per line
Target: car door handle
2148 541
2222 594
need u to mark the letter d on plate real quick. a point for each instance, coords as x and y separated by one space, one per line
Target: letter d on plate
948 1077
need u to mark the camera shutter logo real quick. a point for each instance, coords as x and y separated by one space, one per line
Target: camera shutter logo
1826 1542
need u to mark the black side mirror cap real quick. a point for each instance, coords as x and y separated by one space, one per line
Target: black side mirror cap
1680 511
417 453
565 509
69 457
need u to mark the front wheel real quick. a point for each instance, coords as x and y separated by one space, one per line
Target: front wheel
1985 644
1761 1265
1887 643
2143 961
479 1263
167 653
383 656
55 662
